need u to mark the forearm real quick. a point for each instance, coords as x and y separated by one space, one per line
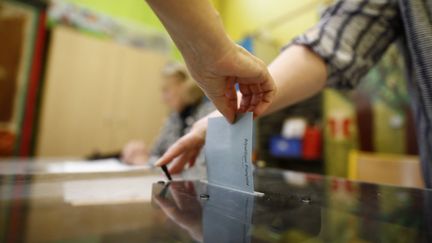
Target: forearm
299 74
195 27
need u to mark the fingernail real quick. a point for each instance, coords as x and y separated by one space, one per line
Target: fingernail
230 120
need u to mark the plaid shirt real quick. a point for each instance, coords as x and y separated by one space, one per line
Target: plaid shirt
353 35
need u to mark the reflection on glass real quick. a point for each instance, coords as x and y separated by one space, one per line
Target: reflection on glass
207 213
316 210
296 207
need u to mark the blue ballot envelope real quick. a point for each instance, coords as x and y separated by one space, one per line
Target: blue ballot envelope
228 152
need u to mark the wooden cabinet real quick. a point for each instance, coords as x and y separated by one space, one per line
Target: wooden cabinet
98 94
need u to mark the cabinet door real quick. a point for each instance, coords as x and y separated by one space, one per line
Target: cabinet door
87 79
139 112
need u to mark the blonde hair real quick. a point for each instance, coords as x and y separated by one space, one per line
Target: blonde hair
190 93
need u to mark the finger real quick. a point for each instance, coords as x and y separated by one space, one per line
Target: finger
262 107
246 97
267 86
179 164
193 156
173 152
230 93
222 105
266 100
256 96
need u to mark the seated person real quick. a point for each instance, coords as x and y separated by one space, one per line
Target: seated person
186 103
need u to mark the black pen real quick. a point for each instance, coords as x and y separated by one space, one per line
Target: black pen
165 170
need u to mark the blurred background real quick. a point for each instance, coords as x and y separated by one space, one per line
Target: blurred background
80 78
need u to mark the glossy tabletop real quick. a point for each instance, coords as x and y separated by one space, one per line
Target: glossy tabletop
140 206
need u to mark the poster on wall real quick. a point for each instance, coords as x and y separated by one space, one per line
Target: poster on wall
100 24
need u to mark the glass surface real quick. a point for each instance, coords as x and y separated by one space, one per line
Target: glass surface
131 207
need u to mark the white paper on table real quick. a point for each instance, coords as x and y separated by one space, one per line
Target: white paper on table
109 191
105 165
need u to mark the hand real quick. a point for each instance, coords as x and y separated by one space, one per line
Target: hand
213 59
135 153
186 149
219 76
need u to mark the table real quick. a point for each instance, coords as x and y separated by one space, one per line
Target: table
140 206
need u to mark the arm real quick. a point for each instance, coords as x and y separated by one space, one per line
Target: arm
338 51
214 60
351 37
306 78
332 54
195 27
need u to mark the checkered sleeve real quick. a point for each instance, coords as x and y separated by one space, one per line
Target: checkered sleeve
351 37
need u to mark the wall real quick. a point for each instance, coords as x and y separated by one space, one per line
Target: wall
241 17
133 10
136 11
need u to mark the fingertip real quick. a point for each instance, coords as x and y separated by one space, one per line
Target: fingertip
261 109
255 115
229 120
229 116
232 118
176 169
159 162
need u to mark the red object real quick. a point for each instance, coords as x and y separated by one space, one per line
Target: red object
346 128
33 89
332 124
312 143
7 140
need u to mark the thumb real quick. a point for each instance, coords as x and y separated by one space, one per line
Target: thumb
227 103
223 106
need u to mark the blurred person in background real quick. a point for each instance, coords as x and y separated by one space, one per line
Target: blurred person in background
186 103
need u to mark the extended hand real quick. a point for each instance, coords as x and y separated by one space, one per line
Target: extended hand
186 149
214 60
